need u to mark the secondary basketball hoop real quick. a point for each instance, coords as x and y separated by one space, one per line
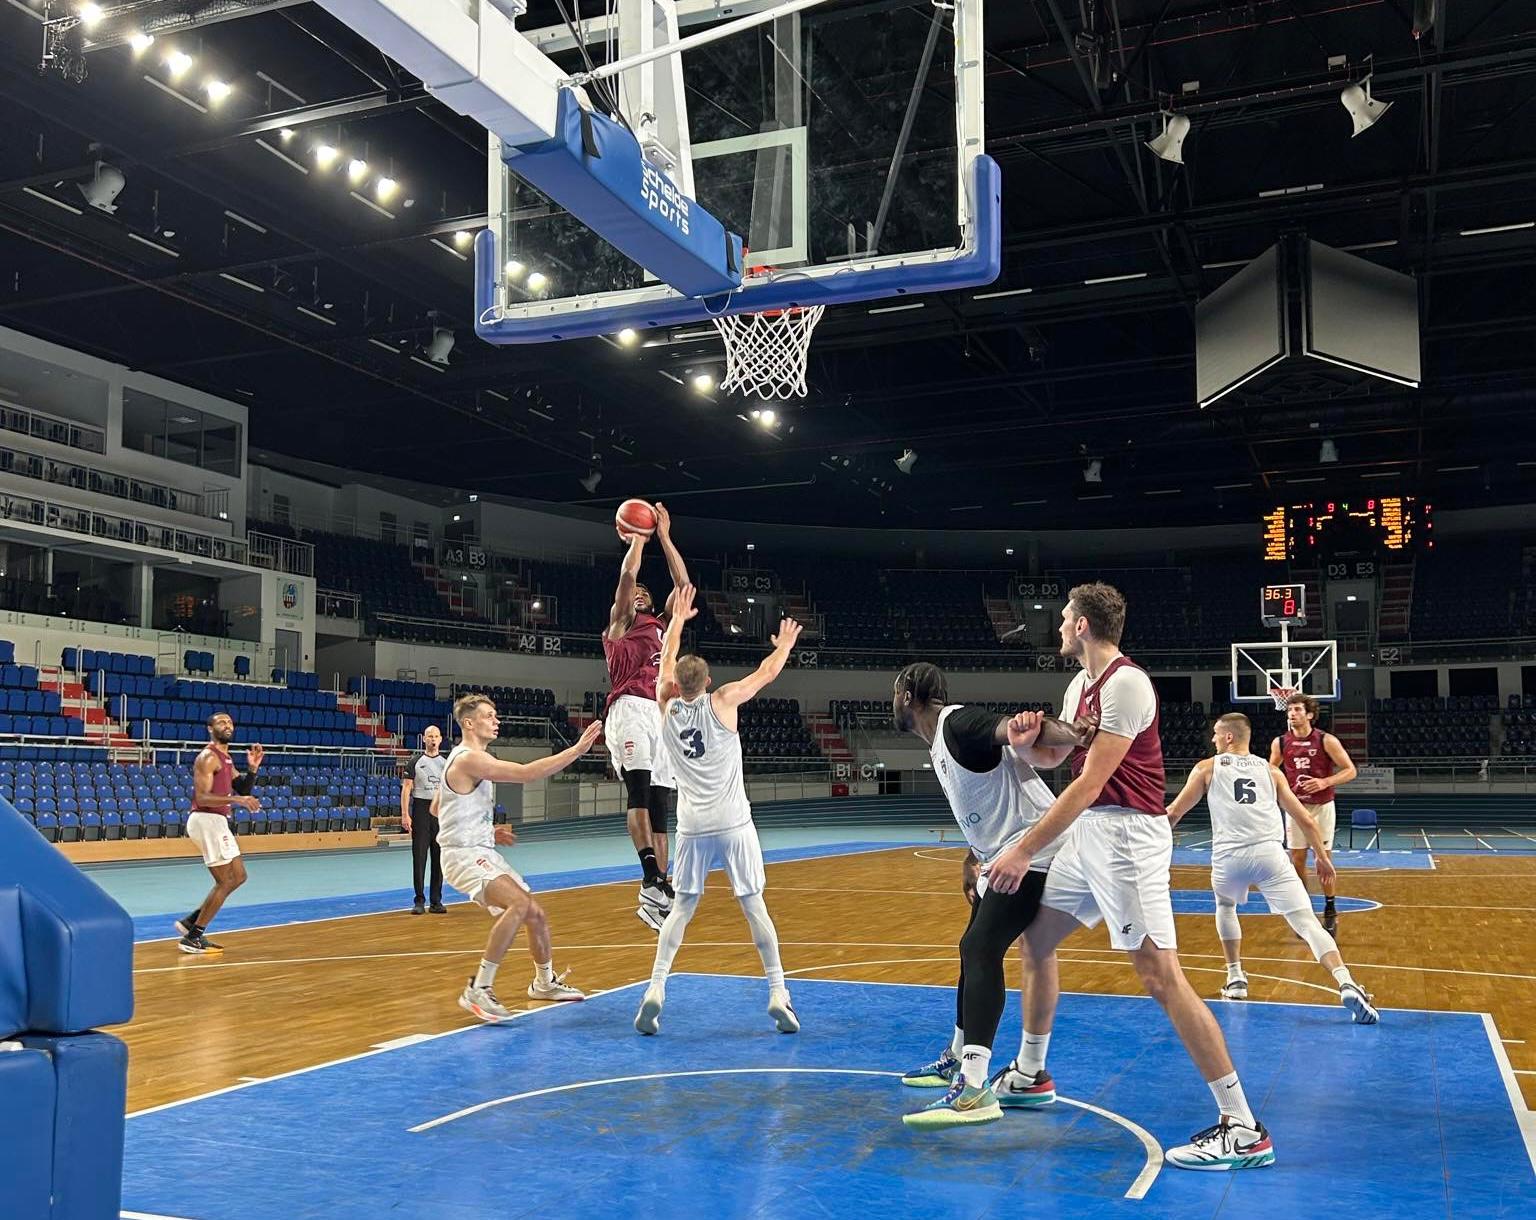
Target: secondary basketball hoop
766 353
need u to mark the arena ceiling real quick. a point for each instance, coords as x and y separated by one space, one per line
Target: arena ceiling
227 268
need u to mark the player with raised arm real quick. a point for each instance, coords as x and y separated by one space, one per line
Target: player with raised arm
216 789
1114 864
632 646
465 806
1245 794
1314 763
714 818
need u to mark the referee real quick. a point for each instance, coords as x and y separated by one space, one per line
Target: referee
418 785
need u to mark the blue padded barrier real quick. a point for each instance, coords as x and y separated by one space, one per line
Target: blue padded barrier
91 1077
26 1134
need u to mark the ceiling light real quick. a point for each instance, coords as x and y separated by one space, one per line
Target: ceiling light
591 481
703 383
1007 550
513 269
1365 110
90 14
140 42
439 345
177 62
536 281
1170 144
629 336
325 155
1093 472
1328 452
385 188
461 238
285 134
536 604
105 186
216 90
357 169
770 417
906 461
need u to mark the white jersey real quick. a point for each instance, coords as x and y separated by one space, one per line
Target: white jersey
993 808
706 765
1244 810
465 819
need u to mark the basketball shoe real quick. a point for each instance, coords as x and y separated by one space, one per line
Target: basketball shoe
962 1105
196 942
782 1011
1354 997
648 1019
1235 989
1016 1091
481 1002
555 989
650 917
1228 1144
939 1074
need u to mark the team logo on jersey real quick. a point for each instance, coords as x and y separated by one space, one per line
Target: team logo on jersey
1225 761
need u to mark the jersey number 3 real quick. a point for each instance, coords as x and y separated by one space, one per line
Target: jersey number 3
694 740
1246 791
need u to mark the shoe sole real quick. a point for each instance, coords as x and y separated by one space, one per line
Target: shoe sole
953 1118
648 1019
1033 1102
1236 999
190 949
784 1017
479 1013
1261 1160
561 998
648 919
1361 1012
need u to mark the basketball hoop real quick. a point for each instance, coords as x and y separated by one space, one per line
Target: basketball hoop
1281 695
766 353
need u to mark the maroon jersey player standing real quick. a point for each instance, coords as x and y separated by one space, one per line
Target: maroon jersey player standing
1315 763
632 719
216 790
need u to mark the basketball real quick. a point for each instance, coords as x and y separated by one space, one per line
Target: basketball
635 517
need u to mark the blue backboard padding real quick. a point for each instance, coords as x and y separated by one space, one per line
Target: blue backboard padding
594 169
973 265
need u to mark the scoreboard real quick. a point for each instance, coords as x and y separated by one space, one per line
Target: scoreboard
1320 529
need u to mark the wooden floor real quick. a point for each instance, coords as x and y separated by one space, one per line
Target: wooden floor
1461 937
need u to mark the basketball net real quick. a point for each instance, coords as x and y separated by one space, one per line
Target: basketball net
1281 695
766 353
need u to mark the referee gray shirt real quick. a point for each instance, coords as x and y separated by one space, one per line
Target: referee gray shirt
426 775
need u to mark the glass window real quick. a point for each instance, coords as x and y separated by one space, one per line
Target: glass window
180 433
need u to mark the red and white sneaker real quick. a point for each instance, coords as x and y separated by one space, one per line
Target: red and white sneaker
1227 1145
1016 1091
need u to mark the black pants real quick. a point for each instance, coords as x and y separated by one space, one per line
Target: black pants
997 920
424 840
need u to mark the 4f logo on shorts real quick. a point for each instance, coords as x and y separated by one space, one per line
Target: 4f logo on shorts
1125 929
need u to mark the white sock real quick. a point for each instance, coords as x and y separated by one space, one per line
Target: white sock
1032 1048
957 1043
1341 975
544 972
1235 972
975 1064
486 975
1228 1092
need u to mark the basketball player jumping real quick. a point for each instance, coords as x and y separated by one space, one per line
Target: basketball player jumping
632 646
714 818
216 789
1315 763
1114 863
465 805
1245 794
995 796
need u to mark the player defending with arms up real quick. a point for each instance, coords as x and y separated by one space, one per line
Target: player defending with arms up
1246 794
714 818
464 806
1315 763
632 646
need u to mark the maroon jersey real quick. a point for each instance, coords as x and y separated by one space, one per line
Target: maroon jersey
1138 782
223 783
634 658
1304 756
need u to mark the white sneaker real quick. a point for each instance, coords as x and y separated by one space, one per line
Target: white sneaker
1227 1145
555 989
650 916
648 1019
1354 997
654 895
782 1011
481 1002
1235 989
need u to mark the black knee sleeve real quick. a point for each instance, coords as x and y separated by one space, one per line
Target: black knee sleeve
1000 919
660 808
637 784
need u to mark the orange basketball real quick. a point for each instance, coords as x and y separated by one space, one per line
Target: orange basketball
635 517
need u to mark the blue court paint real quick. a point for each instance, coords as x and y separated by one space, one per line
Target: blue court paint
801 1133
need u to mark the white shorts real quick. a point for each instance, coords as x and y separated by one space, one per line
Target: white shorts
1113 865
737 851
1325 816
470 869
1261 866
632 729
214 838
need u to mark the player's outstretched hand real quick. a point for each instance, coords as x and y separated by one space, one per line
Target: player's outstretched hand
789 632
254 755
590 734
681 601
663 520
1326 873
504 836
1024 728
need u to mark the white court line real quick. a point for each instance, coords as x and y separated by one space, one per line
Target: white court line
1138 1188
1523 1071
1511 830
1513 1041
1524 1118
147 1216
